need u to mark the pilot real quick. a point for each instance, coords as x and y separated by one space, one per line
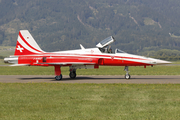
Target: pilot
109 49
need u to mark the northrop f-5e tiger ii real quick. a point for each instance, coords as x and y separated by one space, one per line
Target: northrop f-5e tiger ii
28 53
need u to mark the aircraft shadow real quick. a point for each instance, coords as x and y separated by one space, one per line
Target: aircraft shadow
97 78
65 79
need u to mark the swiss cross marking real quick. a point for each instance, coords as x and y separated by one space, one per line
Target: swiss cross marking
92 51
20 49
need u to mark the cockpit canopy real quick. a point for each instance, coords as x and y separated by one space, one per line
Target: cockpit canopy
104 48
105 42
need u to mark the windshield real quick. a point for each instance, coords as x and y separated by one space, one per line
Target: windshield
119 51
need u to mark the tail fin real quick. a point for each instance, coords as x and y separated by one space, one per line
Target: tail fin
26 45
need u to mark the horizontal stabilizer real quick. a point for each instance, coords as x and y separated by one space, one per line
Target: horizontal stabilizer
20 65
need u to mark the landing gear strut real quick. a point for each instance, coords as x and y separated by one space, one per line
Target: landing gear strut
127 76
72 73
58 72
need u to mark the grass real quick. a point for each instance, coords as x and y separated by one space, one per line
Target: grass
6 50
2 62
53 101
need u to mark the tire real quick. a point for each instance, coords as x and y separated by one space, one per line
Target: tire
58 78
72 75
127 76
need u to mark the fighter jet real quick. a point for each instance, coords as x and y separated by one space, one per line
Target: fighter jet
28 53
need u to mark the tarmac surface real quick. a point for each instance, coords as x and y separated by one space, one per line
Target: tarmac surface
135 79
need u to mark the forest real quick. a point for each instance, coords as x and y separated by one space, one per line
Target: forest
144 27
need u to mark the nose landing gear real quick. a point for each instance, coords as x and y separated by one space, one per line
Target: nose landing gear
127 76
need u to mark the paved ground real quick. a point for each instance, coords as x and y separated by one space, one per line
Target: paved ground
137 79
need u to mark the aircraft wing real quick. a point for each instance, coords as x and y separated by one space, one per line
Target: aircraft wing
70 63
59 63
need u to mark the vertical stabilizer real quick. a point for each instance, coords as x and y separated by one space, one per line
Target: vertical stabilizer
26 45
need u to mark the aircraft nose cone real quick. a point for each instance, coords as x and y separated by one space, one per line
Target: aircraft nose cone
160 62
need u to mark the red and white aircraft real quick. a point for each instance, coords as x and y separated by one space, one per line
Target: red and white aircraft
28 53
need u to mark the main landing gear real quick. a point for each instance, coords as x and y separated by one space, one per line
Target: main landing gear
59 77
72 73
58 72
127 76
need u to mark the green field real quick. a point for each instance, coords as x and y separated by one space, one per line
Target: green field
53 101
6 50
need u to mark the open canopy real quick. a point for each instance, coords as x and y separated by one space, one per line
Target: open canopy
105 42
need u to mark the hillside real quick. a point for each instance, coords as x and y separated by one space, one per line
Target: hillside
139 26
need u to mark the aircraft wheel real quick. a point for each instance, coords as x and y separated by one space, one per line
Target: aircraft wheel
58 77
72 75
127 76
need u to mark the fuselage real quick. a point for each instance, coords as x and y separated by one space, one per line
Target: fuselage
87 56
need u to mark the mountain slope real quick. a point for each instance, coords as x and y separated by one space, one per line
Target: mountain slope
137 25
